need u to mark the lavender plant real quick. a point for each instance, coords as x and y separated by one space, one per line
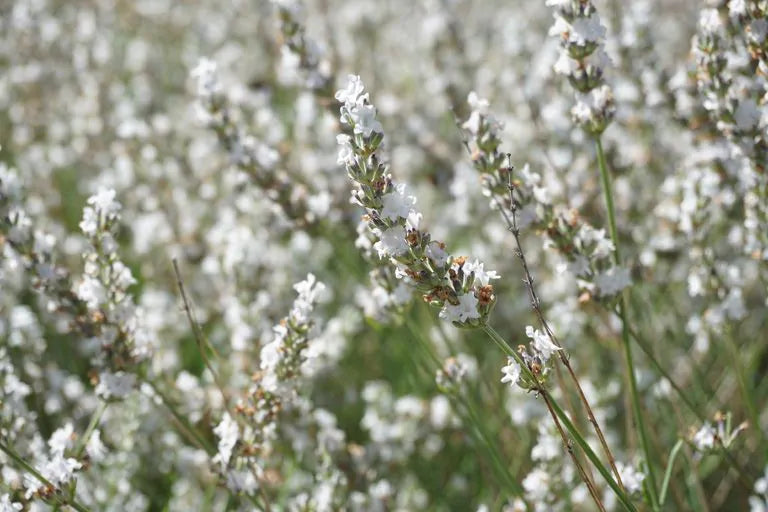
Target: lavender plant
196 314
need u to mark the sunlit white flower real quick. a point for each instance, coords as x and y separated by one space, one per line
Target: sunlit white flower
392 242
465 310
62 439
95 447
631 478
396 204
352 92
60 470
704 438
228 433
482 277
541 342
91 291
436 252
586 30
346 152
511 372
364 119
207 80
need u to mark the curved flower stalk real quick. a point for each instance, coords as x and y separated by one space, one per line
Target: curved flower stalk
583 61
34 250
722 217
304 54
250 155
101 307
729 50
723 104
460 287
385 299
586 250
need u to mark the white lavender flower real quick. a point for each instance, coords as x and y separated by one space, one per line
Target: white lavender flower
394 221
511 372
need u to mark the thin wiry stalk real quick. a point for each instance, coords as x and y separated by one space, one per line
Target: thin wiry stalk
202 342
574 458
511 221
95 418
185 427
649 482
83 441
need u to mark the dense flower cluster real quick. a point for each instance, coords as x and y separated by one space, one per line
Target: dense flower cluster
276 391
461 287
117 323
583 61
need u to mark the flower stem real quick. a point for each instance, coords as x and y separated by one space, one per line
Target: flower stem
186 427
95 419
668 472
569 448
563 417
605 178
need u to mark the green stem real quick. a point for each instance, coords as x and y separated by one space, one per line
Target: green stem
95 419
605 179
649 482
621 495
502 469
83 441
32 471
668 472
569 426
645 347
187 428
741 373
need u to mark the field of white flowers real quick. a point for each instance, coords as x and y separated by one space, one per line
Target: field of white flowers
384 256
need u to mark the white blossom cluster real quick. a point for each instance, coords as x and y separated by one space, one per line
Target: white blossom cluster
712 438
583 61
586 251
460 287
276 390
118 323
